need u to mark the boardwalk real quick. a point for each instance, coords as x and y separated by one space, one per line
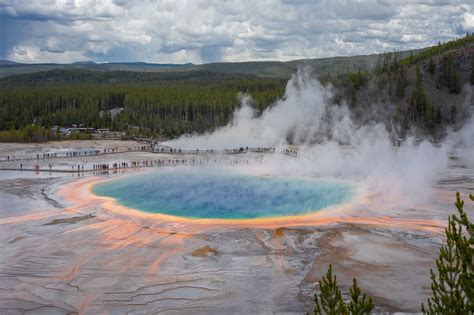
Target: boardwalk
241 150
142 148
104 168
177 157
76 154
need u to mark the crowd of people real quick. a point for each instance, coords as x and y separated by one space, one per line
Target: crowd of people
149 147
77 153
291 152
105 167
211 151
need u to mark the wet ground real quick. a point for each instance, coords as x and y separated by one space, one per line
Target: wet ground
63 252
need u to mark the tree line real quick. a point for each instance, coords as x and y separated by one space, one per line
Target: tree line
168 108
71 76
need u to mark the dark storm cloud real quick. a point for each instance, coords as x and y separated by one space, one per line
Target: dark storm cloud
211 30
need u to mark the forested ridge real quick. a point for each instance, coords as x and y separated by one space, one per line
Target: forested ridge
69 76
421 91
162 108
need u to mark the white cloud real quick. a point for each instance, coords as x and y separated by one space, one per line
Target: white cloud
207 30
30 54
468 21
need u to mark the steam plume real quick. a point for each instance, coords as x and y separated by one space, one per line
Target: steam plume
332 146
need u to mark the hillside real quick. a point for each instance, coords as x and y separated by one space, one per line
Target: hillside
275 69
12 73
9 68
423 93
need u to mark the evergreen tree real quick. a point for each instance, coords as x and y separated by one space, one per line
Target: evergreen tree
453 284
438 117
450 76
429 116
472 71
418 98
465 250
431 66
360 303
330 299
453 114
401 82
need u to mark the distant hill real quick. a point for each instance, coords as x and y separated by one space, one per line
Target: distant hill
8 62
8 68
275 69
86 62
86 76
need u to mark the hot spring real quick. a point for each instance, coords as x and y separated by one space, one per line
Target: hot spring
222 194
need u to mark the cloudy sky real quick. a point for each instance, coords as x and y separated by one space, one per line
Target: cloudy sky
202 31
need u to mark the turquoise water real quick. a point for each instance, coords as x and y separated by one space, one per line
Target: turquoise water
200 194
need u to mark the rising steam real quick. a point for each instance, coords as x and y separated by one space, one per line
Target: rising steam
331 145
298 117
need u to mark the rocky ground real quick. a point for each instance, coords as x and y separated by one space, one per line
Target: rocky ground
63 252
